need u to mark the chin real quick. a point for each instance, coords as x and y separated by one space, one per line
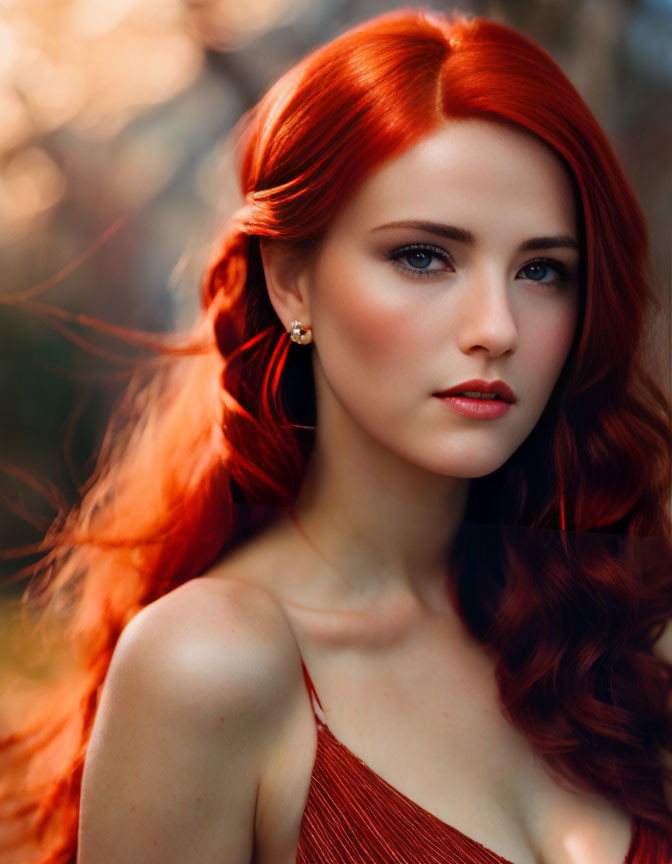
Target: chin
467 468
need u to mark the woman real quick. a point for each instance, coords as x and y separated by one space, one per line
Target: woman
420 458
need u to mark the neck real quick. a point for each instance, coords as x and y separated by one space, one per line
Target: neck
383 524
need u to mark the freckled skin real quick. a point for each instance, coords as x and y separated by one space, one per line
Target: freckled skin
398 314
386 340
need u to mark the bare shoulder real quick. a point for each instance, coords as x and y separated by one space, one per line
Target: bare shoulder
663 649
212 633
198 680
663 646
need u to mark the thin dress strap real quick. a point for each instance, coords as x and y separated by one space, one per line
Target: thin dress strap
314 698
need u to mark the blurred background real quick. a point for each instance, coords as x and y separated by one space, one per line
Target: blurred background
115 175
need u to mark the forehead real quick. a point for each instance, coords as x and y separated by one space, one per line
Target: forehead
473 173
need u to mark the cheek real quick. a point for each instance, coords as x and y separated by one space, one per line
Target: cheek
550 342
361 316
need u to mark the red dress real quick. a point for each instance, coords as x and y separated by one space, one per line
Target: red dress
353 816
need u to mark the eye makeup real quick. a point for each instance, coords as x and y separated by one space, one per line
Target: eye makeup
564 273
420 250
423 253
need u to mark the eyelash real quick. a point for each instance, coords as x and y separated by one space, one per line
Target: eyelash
396 256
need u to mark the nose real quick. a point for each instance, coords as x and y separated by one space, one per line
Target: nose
487 321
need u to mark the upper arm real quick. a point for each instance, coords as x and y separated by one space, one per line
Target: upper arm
178 743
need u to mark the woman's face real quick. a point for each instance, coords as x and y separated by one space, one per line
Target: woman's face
455 261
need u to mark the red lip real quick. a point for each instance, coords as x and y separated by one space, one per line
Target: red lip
499 388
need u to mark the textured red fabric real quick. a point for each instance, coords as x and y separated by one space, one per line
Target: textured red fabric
353 816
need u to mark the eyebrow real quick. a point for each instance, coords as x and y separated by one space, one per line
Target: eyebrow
463 236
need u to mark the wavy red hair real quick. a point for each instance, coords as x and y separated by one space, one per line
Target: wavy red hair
573 587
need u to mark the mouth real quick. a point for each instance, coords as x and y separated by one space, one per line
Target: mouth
476 389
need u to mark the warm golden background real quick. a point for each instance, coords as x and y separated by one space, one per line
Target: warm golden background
114 175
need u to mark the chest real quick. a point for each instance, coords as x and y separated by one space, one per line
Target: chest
426 718
423 717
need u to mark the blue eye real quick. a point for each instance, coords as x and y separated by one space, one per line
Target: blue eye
546 270
417 260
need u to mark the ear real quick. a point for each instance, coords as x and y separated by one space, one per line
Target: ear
286 281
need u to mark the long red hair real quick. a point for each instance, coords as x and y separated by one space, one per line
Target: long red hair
567 547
